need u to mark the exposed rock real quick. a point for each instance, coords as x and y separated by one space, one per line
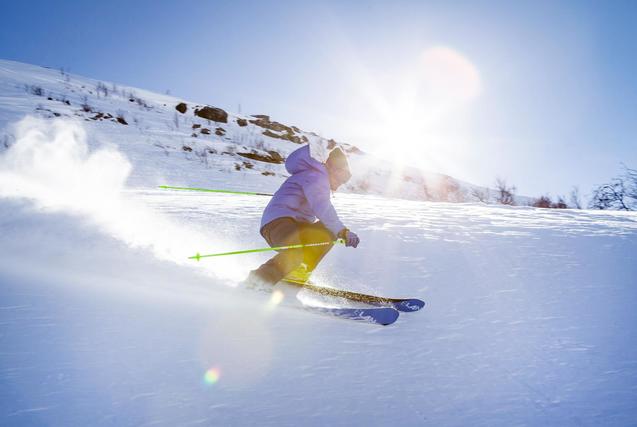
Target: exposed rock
121 120
220 131
205 131
271 157
196 126
267 173
264 122
242 122
212 113
277 130
186 148
182 107
286 136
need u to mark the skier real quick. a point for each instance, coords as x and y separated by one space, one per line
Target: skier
300 212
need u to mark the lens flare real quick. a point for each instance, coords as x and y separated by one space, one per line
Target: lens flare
212 376
276 298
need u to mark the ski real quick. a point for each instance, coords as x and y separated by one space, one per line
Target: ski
376 315
285 294
400 304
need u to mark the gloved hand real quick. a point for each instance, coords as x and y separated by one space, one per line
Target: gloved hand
350 238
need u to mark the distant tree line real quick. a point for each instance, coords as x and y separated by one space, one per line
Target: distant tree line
620 193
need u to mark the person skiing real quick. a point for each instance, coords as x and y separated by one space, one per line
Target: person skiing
300 212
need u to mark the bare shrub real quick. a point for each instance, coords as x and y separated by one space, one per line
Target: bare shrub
505 194
481 194
202 155
34 90
101 88
64 72
85 105
542 202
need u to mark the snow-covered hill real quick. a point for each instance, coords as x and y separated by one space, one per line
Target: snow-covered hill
197 143
105 321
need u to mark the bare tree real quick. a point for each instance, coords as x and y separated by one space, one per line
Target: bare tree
481 194
575 198
620 193
609 196
630 176
505 194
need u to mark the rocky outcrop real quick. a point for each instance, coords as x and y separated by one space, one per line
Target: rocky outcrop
212 113
270 157
276 129
182 107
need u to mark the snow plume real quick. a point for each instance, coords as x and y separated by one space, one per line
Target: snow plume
51 164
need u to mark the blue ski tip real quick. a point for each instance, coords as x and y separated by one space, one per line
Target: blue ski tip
377 315
408 304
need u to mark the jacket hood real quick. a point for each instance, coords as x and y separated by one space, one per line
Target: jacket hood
300 160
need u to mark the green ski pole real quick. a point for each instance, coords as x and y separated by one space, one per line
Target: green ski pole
279 248
208 190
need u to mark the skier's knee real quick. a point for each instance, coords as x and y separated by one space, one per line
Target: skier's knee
295 259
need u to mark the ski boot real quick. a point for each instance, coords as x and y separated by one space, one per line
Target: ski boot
299 275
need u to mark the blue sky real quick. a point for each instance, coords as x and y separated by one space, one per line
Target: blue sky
542 93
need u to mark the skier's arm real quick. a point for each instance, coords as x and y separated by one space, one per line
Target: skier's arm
317 193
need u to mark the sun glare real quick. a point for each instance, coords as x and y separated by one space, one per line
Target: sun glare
423 106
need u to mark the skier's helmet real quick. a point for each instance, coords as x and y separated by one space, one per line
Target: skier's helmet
338 165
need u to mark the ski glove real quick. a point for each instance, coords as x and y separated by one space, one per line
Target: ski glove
351 239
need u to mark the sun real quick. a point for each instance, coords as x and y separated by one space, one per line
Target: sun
423 105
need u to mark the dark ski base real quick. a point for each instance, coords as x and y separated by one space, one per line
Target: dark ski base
376 315
400 304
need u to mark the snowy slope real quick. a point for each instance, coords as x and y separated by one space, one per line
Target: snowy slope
104 321
170 147
529 322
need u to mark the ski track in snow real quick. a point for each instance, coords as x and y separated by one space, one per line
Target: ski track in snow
526 328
